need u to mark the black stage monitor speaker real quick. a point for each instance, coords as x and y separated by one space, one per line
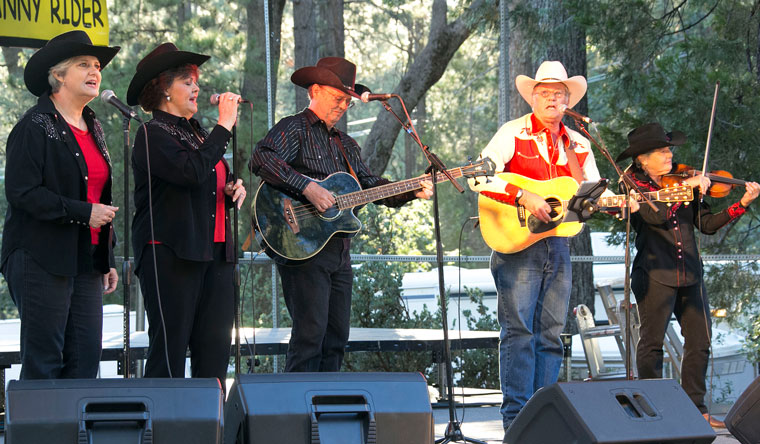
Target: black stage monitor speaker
114 411
743 420
606 412
329 408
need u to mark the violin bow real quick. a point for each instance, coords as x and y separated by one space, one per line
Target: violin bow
710 130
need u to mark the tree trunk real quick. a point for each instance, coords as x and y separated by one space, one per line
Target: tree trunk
15 71
305 40
427 68
521 61
184 13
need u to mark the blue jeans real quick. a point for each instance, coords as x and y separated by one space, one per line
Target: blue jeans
61 319
533 288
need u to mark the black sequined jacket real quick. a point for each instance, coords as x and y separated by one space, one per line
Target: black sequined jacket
183 159
46 186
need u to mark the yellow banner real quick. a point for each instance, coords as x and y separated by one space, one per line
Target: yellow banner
32 22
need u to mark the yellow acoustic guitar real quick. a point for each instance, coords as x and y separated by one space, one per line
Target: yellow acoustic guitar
509 229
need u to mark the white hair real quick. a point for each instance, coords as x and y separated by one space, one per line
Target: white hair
59 69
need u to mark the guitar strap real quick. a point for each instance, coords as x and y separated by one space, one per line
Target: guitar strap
572 162
343 151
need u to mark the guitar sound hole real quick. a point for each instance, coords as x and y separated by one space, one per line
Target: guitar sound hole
555 205
331 213
536 226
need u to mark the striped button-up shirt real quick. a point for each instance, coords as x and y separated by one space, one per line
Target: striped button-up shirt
300 148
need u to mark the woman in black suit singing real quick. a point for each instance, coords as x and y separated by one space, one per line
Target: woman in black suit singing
181 229
57 254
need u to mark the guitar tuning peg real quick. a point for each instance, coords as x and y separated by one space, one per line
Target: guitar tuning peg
476 181
488 179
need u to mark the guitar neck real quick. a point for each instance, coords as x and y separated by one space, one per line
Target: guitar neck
364 197
619 200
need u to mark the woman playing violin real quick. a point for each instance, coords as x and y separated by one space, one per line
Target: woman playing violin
667 275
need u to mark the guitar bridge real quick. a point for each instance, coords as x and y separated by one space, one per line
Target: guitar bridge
521 215
290 216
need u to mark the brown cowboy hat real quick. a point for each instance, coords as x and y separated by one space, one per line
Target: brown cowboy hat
649 137
163 57
330 71
59 48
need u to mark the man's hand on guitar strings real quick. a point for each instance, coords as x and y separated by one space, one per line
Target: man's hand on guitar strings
536 205
319 196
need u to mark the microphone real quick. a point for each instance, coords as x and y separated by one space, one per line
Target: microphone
214 99
574 114
368 96
108 96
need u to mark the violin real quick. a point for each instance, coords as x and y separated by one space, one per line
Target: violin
721 181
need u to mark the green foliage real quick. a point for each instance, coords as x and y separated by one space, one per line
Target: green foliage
752 341
659 61
377 303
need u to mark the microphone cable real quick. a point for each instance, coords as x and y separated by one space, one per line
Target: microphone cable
459 302
153 248
253 362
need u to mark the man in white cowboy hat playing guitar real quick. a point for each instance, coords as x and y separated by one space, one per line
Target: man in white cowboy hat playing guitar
533 285
296 150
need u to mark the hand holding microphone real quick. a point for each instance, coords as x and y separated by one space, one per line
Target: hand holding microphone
214 99
228 105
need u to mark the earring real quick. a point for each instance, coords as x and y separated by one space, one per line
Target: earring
168 98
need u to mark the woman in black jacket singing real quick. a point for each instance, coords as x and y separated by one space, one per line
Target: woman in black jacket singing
667 276
181 227
57 253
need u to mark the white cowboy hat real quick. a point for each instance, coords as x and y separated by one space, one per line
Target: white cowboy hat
552 72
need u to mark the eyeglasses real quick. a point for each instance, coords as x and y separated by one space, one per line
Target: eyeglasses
545 94
349 101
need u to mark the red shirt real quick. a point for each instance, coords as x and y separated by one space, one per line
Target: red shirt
221 177
528 162
97 170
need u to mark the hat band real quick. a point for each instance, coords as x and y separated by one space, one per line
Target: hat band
549 78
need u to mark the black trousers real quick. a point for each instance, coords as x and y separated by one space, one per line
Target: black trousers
61 319
657 302
318 297
197 302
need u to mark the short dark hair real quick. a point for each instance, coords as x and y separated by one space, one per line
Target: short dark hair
154 91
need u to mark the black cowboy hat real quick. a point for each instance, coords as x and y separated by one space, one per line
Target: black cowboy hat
59 48
330 71
164 57
649 137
